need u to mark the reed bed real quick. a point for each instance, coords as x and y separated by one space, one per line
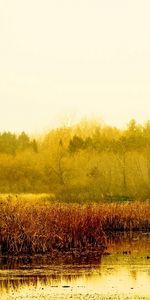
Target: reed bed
46 227
125 216
29 228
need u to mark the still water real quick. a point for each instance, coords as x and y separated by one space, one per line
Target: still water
122 272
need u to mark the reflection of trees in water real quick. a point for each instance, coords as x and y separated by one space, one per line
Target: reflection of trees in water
133 274
128 241
50 280
34 270
43 261
18 271
15 283
13 262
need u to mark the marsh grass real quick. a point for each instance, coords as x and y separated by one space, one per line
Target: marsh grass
27 227
31 226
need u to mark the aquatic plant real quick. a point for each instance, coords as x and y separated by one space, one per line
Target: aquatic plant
46 227
26 228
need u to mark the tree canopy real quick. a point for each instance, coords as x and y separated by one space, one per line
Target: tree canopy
82 162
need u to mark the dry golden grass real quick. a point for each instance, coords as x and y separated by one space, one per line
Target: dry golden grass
125 217
37 226
43 228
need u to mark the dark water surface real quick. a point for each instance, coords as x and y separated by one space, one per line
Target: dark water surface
122 272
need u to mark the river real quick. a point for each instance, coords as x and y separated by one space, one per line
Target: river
122 272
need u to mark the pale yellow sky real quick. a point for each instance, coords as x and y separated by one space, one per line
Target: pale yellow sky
73 57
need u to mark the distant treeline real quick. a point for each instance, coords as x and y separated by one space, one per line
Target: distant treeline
11 143
79 163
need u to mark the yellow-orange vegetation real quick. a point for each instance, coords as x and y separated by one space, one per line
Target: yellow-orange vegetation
43 227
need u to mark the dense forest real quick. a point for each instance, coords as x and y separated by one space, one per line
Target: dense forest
84 162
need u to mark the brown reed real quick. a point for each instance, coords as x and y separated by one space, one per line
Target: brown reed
26 227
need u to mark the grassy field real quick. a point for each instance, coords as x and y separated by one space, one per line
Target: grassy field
35 224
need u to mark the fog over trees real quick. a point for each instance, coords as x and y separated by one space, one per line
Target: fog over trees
84 162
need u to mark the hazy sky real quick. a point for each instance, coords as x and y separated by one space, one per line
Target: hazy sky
73 57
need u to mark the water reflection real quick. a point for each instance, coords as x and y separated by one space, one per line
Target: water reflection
123 272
